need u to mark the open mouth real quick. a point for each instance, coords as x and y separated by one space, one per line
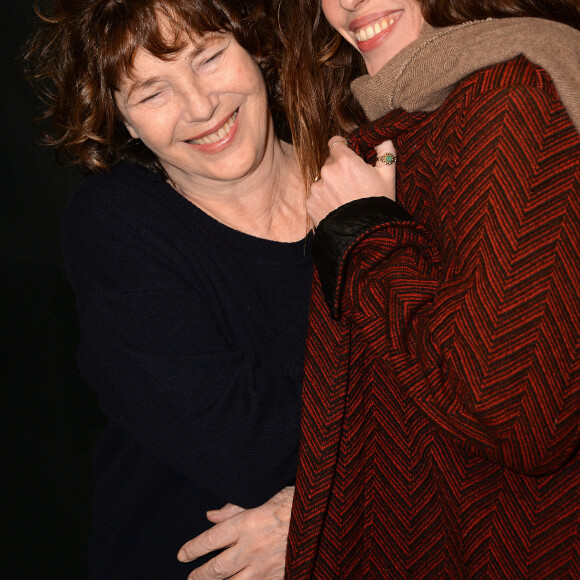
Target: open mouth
218 135
376 27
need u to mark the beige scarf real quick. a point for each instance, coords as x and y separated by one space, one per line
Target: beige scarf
421 76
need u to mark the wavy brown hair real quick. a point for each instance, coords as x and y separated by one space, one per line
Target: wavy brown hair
318 65
83 48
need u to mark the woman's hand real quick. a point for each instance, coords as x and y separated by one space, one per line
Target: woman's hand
345 177
255 541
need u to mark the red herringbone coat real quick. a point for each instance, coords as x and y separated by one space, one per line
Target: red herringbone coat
442 387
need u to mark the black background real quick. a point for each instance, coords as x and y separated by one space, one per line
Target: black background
49 419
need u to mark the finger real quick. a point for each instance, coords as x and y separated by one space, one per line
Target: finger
220 536
386 167
314 212
216 569
227 511
250 573
336 142
386 154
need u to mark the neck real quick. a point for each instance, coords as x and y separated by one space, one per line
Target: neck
267 203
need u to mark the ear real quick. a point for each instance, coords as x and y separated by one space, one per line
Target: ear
119 111
131 130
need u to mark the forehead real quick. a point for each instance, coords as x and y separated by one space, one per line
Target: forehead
147 69
186 46
162 37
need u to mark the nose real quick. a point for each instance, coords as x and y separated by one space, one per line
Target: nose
350 5
199 102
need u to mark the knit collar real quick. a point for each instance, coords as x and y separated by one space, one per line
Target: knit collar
423 74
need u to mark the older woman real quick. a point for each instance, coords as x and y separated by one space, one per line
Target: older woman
441 421
189 255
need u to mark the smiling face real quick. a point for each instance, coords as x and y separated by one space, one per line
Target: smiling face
203 113
378 29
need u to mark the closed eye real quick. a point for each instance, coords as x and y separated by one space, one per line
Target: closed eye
150 97
213 59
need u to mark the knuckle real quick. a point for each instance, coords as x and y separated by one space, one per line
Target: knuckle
209 539
218 569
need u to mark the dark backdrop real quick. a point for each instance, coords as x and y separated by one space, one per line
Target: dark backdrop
49 419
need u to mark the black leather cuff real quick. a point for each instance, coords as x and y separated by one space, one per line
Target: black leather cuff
337 233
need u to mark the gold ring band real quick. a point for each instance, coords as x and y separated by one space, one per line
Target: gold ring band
337 142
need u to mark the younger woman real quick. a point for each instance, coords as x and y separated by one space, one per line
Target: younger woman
441 414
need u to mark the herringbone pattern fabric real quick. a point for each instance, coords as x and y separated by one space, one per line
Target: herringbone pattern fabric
441 414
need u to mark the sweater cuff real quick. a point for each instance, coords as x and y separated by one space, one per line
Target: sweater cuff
338 233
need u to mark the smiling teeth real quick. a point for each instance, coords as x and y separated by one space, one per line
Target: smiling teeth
222 132
372 30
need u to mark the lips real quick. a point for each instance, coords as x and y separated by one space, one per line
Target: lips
215 136
369 31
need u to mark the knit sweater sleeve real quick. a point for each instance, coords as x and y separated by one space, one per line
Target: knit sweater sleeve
479 322
162 362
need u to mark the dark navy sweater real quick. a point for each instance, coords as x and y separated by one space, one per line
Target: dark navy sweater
192 335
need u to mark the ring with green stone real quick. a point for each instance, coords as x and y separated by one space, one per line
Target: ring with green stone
387 158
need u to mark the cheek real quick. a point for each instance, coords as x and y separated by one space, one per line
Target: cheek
333 13
418 20
153 127
249 82
329 11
